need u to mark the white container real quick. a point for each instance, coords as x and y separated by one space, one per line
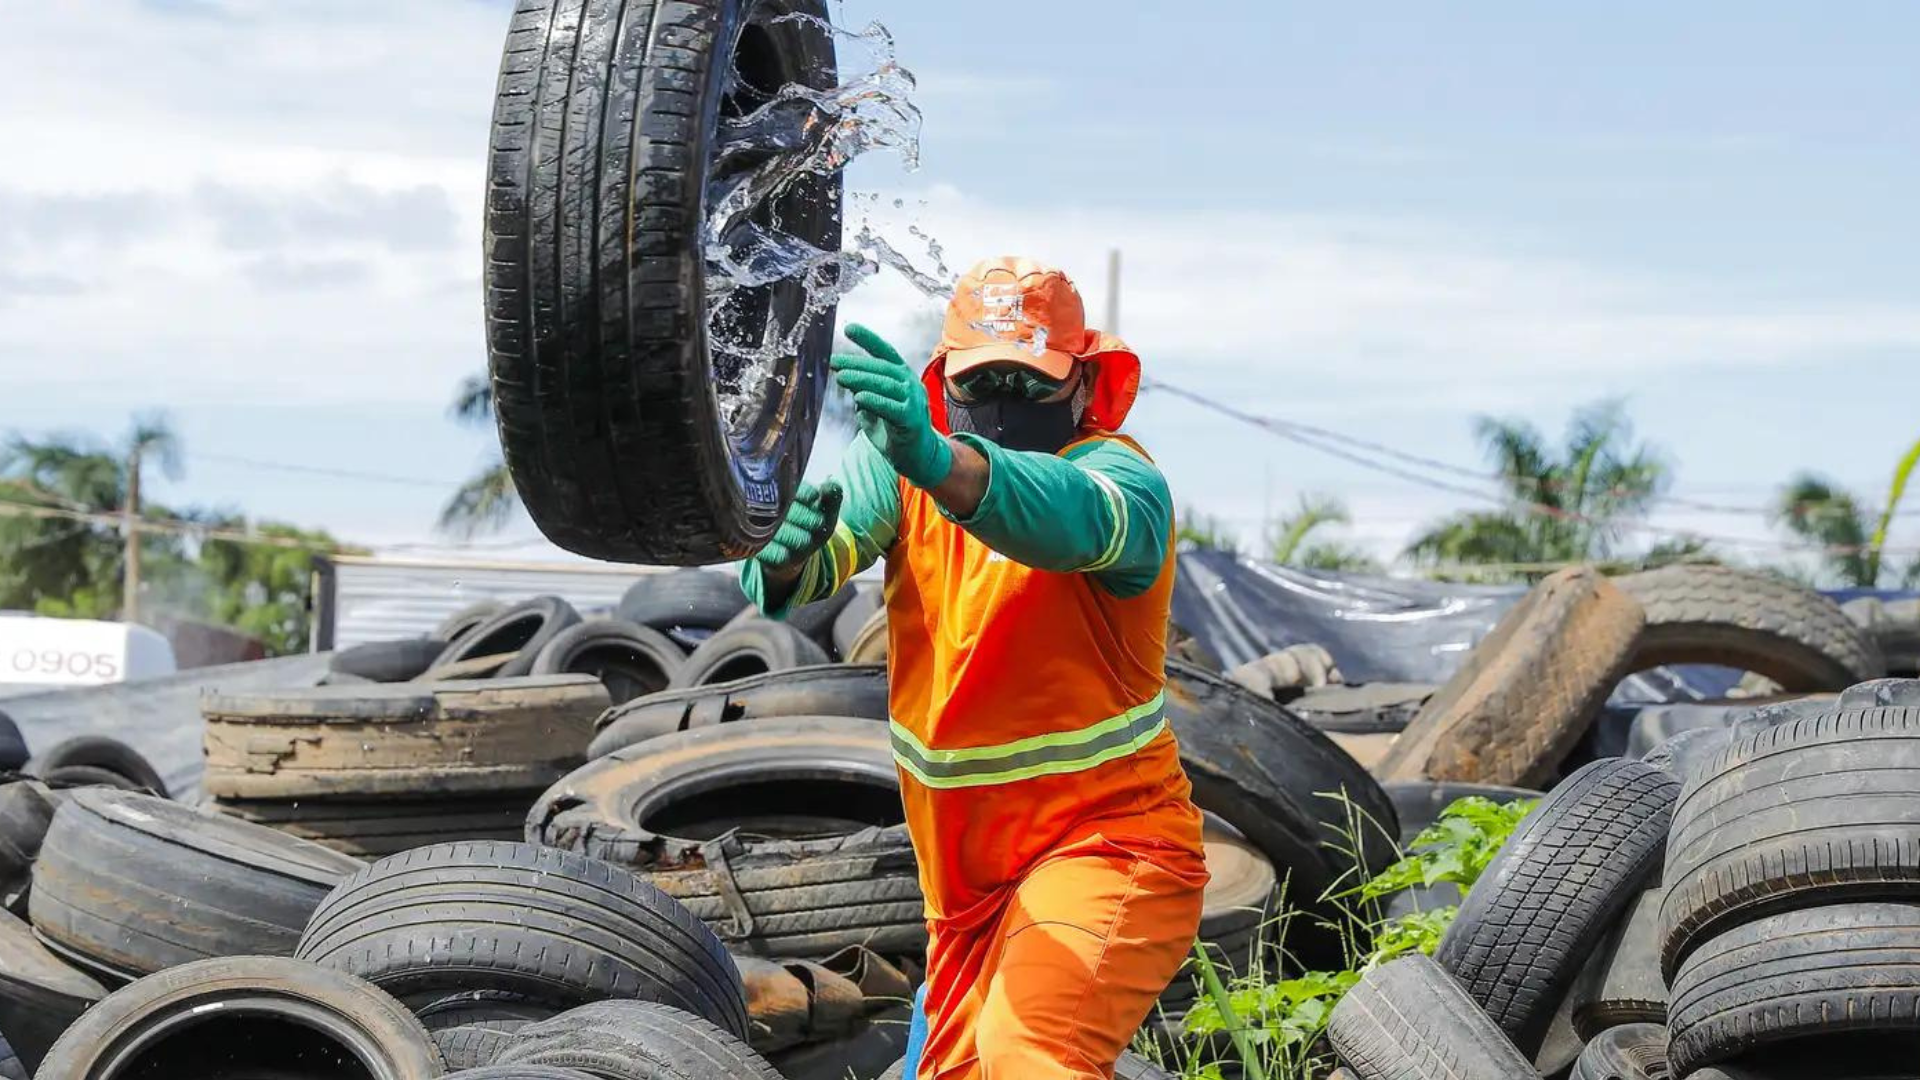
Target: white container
38 652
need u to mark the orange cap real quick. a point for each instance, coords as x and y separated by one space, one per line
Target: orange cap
1015 309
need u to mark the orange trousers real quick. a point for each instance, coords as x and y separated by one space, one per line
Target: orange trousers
1056 985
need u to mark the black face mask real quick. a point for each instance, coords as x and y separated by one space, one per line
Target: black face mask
1016 423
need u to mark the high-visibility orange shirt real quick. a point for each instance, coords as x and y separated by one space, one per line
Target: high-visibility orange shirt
1027 647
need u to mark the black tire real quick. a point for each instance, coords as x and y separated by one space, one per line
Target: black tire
1271 776
871 642
376 828
1850 969
523 630
139 884
474 1047
1528 691
605 369
465 621
866 600
632 1040
1408 1020
40 995
13 748
26 812
1752 621
521 1072
11 1067
629 659
207 1019
387 661
819 860
856 690
1687 751
1628 1052
684 600
1420 802
816 619
1894 626
496 1010
410 740
557 927
1622 985
1239 898
754 647
1555 890
80 761
1819 808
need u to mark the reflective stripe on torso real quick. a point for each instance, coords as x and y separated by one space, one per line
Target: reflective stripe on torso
1038 755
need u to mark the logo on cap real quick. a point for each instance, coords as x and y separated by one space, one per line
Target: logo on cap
1003 308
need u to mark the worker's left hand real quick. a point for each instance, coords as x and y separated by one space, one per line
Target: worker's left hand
891 407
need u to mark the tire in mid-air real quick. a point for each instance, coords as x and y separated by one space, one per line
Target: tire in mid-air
637 424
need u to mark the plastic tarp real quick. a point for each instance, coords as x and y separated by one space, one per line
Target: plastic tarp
1378 629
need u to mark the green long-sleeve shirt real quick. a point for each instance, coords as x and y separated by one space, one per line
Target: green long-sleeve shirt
1098 508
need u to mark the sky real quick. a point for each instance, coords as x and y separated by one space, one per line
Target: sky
262 216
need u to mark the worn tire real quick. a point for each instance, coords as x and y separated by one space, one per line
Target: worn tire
522 630
80 761
410 739
13 748
1752 621
754 647
816 619
11 1067
1818 972
1271 776
1622 984
138 884
521 1072
870 643
1627 1052
1555 890
475 1046
1408 1020
1528 691
466 620
819 860
26 812
40 995
1684 753
554 926
387 661
605 371
633 1040
1894 626
170 1025
679 601
376 828
867 599
857 690
1242 886
629 659
1818 808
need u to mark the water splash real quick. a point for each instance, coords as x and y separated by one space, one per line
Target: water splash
802 132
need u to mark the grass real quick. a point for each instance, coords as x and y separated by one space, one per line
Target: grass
1268 1020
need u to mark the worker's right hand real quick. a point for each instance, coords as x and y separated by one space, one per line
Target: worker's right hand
890 406
808 526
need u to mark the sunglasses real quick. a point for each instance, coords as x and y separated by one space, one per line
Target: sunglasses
1008 383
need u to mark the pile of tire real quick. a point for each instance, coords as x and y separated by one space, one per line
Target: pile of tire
1741 905
1531 690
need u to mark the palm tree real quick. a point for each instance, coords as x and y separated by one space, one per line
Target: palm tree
1203 532
487 500
1851 537
68 566
1570 505
1290 546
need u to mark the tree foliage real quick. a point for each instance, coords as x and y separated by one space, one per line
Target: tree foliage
1291 542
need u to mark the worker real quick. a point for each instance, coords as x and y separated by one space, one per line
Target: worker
1029 552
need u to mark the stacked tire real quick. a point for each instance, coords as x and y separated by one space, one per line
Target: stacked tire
370 770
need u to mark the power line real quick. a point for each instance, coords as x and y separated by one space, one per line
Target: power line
1324 441
324 470
169 526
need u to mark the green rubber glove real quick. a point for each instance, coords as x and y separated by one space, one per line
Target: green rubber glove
808 526
891 408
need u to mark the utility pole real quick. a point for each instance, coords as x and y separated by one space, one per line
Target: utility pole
130 525
1113 291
